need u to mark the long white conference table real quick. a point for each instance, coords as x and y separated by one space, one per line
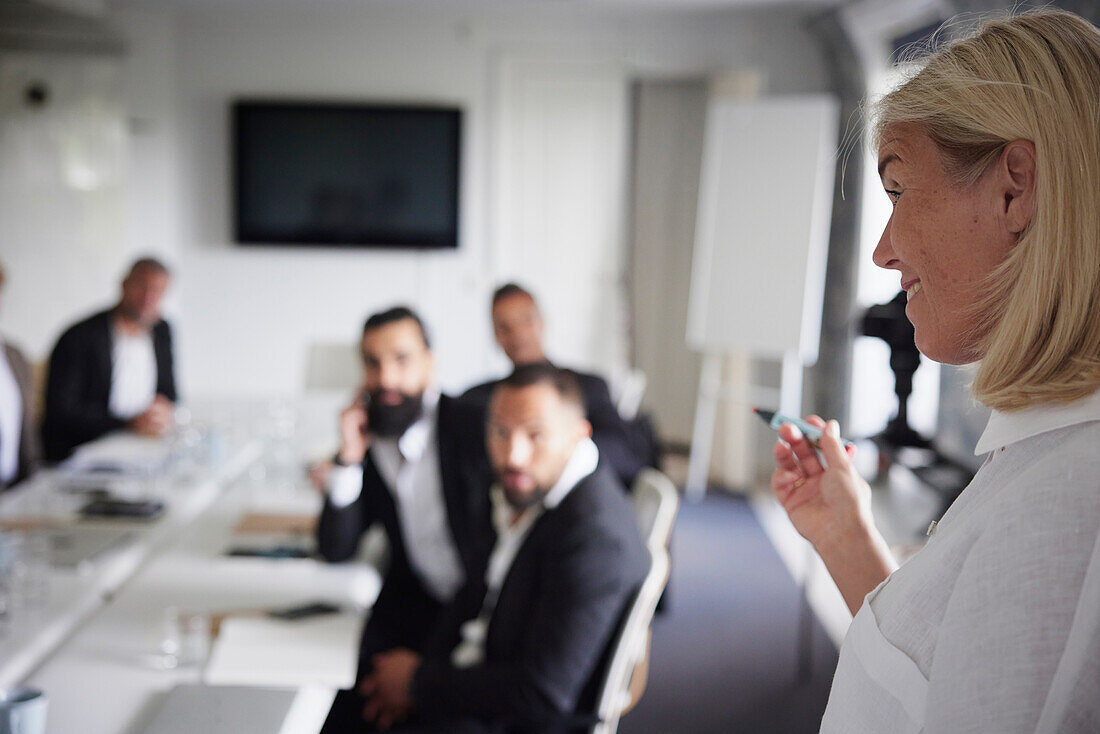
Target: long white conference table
93 644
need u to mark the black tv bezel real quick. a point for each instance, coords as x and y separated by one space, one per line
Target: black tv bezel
255 238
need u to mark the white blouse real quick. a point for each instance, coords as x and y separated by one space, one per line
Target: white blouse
995 625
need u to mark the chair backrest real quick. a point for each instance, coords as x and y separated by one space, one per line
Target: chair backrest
333 366
39 372
655 505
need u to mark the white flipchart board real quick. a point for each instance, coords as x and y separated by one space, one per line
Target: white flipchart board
761 238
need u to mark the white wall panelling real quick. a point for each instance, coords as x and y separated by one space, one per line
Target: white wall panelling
560 195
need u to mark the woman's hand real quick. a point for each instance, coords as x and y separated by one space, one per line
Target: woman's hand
830 506
825 502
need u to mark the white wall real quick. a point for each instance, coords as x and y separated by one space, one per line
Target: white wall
65 249
251 313
559 199
246 316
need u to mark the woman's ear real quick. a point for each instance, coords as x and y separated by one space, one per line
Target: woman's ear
1017 165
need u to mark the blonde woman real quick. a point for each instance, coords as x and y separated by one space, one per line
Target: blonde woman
990 155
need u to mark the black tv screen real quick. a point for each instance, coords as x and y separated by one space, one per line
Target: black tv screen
339 174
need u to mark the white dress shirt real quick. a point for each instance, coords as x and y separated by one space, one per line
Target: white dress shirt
511 532
995 625
11 419
409 466
133 374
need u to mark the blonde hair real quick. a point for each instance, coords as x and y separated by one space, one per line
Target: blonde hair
1034 77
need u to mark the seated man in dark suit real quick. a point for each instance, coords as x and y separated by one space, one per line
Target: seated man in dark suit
520 648
518 328
114 369
19 448
414 461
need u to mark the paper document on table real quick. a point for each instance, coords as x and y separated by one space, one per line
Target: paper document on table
259 651
119 453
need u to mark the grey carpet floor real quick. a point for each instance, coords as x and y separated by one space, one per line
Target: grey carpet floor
726 652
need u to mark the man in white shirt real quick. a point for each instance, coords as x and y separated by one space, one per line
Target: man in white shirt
19 447
414 461
521 646
113 370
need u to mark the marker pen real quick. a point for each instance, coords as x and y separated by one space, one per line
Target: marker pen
812 433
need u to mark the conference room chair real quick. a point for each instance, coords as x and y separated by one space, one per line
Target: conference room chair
333 366
39 372
655 504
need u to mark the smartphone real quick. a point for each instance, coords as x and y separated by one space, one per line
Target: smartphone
278 552
313 609
363 400
122 509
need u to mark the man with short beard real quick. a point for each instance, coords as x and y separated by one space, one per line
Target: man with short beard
414 461
114 369
520 647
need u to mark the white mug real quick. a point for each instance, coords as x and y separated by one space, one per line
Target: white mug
22 711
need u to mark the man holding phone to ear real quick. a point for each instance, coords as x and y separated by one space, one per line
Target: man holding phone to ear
413 460
520 647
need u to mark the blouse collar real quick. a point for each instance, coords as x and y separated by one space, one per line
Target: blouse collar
1008 428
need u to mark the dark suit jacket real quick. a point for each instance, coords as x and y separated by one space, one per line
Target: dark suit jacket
30 449
563 598
78 388
404 610
609 431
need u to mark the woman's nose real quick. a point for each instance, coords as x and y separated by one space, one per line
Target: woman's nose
884 255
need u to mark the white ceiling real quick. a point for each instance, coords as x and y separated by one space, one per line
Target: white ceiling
473 5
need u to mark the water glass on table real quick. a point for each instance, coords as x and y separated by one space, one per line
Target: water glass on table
184 639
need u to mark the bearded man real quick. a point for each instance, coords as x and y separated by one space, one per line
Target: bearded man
520 648
414 461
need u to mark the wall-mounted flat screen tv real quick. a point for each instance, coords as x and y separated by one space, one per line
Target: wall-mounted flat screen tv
343 174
